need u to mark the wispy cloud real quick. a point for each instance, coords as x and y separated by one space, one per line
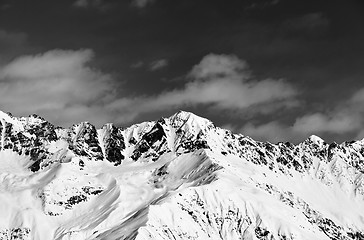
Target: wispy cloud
96 4
137 65
87 3
158 64
262 4
141 3
152 66
308 23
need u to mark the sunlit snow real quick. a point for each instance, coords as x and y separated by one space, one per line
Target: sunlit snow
177 178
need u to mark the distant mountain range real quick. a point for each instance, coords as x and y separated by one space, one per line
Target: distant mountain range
177 178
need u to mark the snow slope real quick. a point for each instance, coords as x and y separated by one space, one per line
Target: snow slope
176 178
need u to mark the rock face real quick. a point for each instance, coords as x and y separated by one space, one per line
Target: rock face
175 178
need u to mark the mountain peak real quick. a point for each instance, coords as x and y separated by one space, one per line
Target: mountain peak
5 117
191 118
184 115
316 139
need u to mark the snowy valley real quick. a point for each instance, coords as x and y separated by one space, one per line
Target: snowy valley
178 178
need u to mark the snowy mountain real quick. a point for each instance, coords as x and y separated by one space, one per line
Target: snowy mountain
176 178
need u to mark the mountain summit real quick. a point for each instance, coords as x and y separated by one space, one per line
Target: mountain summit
179 177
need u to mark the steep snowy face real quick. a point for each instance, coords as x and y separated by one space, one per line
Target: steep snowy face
175 178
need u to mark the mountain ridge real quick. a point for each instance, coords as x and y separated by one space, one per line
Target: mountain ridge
107 183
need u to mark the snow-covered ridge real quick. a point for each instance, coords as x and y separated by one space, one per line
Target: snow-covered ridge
179 177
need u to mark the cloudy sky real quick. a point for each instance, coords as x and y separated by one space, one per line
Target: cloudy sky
276 70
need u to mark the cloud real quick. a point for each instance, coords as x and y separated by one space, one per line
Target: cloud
262 4
141 3
336 122
311 22
96 4
347 119
87 3
360 135
214 66
152 66
81 3
158 64
221 82
136 65
225 81
356 103
272 131
358 97
56 84
303 127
